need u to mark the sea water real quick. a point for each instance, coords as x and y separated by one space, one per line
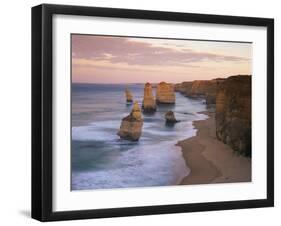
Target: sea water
100 159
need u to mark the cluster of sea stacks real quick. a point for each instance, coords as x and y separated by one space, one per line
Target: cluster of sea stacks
231 99
131 125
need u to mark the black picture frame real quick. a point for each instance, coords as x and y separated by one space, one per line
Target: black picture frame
42 107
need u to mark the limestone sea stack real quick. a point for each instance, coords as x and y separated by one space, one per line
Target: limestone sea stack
148 104
233 113
170 117
131 125
129 96
165 93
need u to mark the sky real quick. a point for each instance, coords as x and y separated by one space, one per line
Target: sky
114 59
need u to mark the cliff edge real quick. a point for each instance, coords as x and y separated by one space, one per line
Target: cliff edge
233 113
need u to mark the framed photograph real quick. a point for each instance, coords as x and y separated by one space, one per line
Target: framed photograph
145 112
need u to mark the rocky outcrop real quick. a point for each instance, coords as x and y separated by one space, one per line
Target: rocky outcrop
165 93
177 87
129 96
205 89
170 118
131 126
148 104
200 88
233 113
183 87
211 93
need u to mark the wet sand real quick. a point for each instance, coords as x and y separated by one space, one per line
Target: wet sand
210 160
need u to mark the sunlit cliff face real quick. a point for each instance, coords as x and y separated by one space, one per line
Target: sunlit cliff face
108 59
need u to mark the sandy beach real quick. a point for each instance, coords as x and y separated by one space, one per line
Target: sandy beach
210 160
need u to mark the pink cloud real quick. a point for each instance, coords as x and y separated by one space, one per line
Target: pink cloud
132 52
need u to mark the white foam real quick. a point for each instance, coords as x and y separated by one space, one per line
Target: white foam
109 124
147 165
87 133
176 134
151 162
201 116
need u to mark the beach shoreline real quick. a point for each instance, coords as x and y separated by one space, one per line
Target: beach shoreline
210 160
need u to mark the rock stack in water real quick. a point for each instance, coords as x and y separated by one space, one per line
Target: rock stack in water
165 93
148 104
129 96
131 126
170 118
233 113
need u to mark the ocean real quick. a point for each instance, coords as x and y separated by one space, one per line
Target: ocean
101 160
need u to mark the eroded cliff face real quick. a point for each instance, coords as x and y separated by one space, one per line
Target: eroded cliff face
233 113
207 89
131 125
200 88
165 93
183 87
178 87
149 103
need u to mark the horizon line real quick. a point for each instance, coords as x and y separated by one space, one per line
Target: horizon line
105 83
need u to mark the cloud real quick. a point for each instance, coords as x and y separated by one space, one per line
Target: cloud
135 52
92 64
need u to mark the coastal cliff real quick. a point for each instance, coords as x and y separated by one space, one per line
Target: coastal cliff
131 125
165 93
183 87
207 89
233 113
231 98
148 104
200 88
